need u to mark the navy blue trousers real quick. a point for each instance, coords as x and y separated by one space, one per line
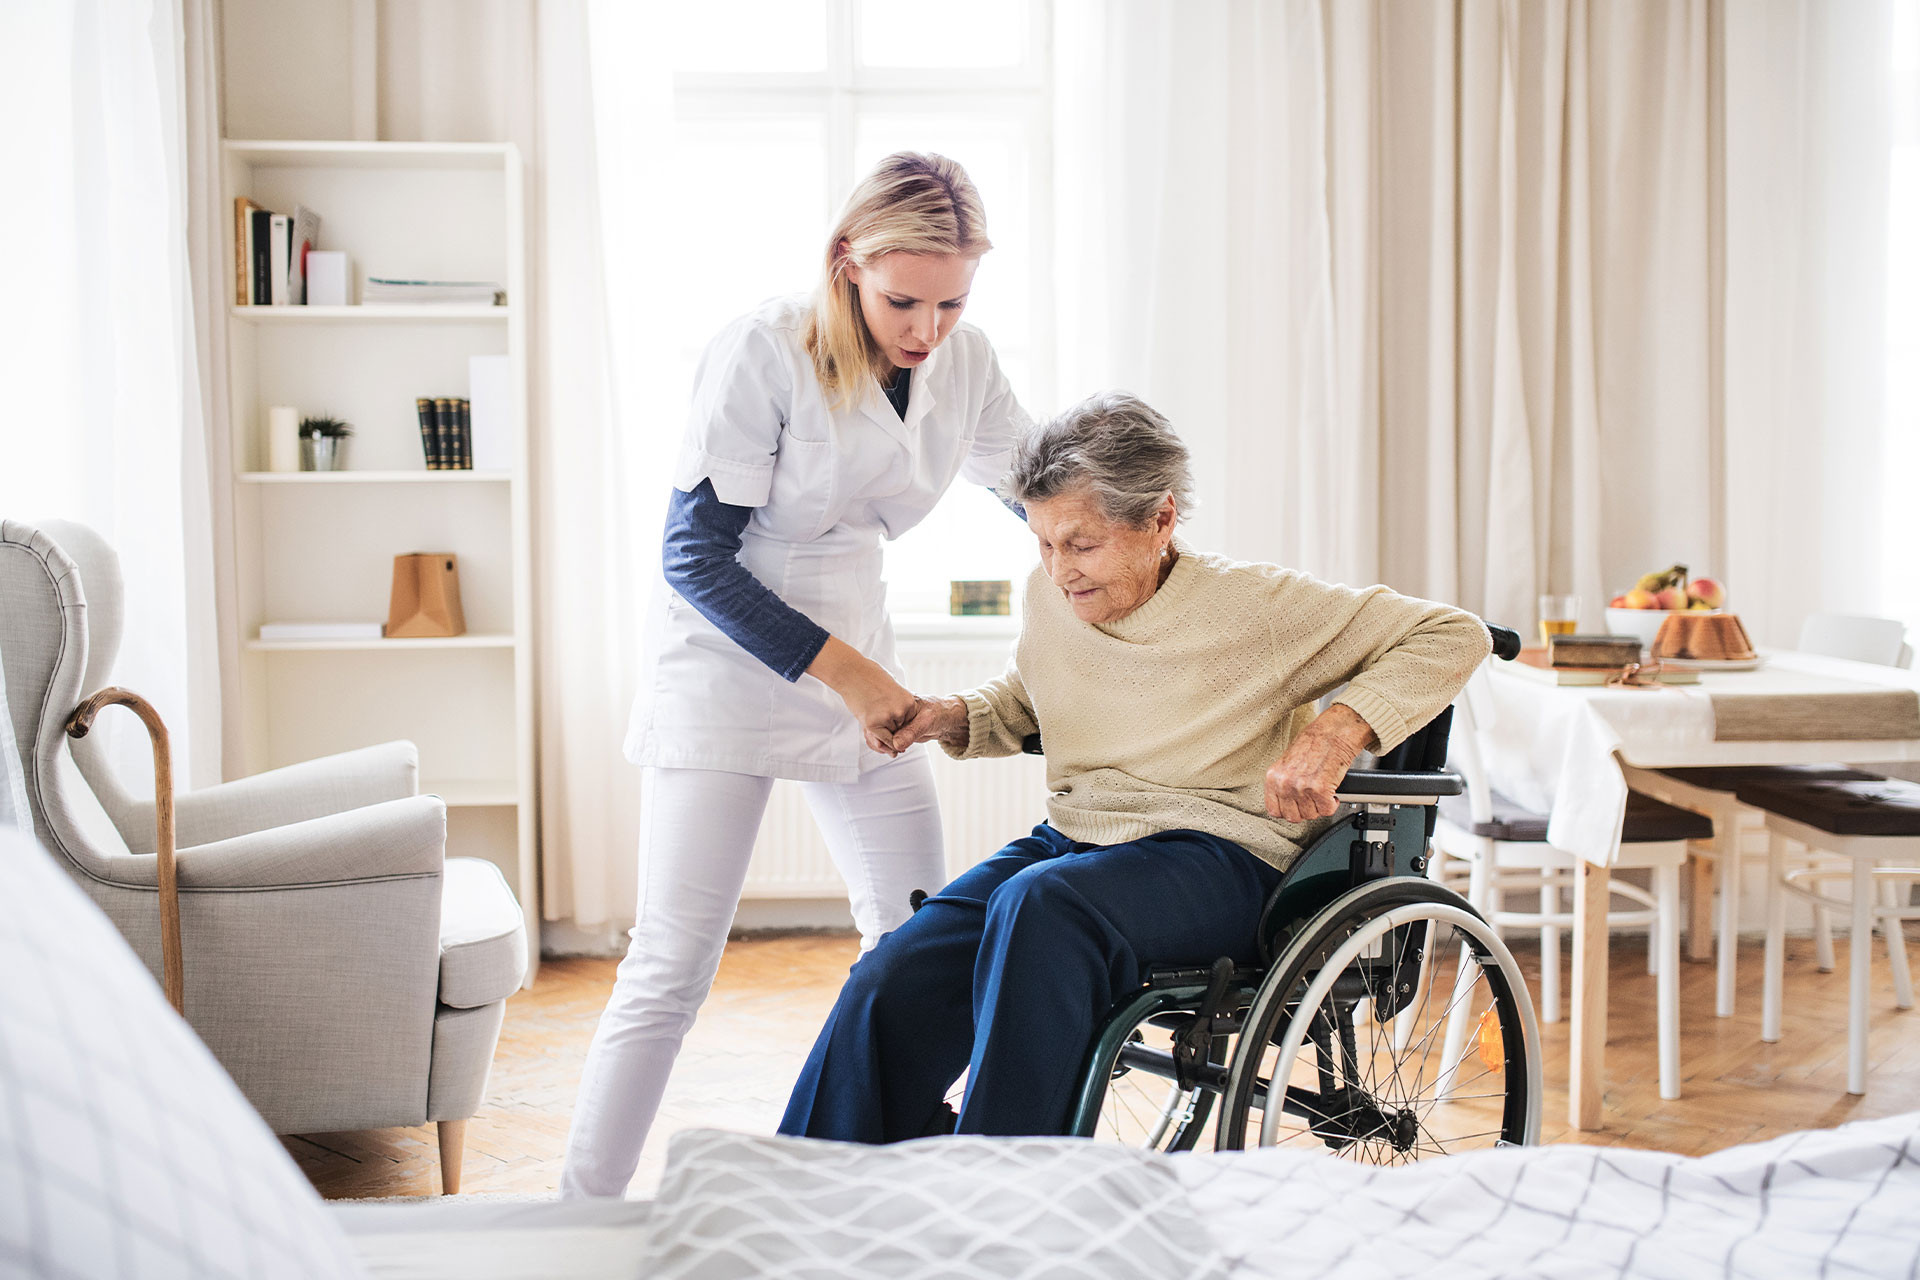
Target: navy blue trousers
1008 972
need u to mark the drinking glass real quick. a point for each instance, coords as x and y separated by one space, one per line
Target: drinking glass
1559 616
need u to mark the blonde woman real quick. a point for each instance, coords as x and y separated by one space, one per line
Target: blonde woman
818 427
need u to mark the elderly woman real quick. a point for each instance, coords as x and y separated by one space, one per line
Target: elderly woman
1188 766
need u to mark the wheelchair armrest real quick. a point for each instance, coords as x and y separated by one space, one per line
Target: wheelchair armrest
1400 788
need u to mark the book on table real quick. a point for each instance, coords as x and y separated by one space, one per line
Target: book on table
1535 665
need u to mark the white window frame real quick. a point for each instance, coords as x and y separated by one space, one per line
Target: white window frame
847 89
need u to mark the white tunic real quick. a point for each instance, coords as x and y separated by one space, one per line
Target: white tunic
828 484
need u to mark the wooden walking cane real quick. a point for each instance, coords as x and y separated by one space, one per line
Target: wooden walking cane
172 964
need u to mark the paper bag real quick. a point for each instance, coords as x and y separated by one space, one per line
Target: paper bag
426 596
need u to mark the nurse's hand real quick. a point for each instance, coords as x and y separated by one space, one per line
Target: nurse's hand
875 698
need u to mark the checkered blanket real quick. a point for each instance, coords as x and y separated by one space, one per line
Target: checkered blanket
1839 1203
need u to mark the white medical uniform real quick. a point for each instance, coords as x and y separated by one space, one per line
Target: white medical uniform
717 725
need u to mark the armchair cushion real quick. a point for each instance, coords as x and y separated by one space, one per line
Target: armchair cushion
125 1149
483 941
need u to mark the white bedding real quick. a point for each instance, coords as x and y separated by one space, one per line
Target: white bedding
1838 1203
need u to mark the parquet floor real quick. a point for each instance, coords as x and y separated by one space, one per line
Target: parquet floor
774 990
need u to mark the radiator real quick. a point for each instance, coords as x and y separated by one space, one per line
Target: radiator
983 803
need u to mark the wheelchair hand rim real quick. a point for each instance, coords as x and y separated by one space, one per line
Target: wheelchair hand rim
1471 926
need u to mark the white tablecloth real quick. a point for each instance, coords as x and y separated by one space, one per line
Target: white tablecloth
1554 749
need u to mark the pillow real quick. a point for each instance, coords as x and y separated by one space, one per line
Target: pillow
124 1148
731 1205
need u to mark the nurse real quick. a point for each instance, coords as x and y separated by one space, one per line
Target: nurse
818 427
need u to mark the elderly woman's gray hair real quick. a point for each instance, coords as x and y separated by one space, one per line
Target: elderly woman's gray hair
1113 444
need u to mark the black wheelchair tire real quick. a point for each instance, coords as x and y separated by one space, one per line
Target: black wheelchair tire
1294 973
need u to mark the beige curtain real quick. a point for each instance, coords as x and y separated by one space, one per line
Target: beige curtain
1442 291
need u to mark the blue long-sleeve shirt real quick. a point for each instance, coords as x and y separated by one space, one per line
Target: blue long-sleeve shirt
701 556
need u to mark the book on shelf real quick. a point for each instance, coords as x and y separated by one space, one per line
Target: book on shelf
429 447
279 255
490 383
443 429
306 237
262 240
386 289
243 210
463 436
273 631
1535 664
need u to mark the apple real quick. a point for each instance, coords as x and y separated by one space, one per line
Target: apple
1618 602
1669 598
1638 598
1707 592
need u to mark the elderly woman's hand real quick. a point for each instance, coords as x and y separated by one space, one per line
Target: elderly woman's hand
1301 783
935 720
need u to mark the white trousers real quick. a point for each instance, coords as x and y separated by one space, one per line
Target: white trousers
697 829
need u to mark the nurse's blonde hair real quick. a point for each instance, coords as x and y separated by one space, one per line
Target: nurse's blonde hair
910 203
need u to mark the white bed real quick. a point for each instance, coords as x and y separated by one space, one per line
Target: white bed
1839 1203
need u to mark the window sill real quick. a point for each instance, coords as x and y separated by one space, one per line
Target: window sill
940 626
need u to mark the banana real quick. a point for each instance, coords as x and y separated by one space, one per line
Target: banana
1661 579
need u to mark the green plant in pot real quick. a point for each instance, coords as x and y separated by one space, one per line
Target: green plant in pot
323 444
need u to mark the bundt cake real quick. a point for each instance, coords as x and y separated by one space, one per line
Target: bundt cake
1713 636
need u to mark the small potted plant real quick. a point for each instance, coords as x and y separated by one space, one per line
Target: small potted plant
323 444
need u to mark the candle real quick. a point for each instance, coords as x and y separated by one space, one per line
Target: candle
283 438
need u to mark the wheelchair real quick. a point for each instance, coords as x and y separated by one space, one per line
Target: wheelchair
1337 1038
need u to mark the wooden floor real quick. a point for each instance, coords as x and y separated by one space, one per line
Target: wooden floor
774 990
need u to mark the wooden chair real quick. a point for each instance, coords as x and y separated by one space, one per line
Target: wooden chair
1869 824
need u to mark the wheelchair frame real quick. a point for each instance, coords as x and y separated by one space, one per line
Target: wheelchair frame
1379 851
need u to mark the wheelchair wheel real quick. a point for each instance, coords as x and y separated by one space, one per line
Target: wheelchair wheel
1349 1033
1144 1106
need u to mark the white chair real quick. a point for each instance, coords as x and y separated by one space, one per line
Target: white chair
1737 827
1504 848
1867 824
1844 635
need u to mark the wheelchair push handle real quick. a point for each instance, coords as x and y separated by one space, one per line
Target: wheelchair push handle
1506 641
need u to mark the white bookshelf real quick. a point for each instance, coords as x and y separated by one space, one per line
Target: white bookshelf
319 546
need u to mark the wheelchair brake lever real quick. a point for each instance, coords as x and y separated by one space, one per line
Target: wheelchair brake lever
1192 1046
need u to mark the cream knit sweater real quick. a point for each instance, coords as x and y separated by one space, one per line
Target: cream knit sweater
1170 717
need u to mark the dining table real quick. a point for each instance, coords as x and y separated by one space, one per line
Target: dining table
1561 749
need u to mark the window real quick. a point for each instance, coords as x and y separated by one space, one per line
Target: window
780 106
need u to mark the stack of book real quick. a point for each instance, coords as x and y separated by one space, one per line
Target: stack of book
446 432
270 254
1566 665
440 292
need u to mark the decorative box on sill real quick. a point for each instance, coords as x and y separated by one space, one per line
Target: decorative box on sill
981 598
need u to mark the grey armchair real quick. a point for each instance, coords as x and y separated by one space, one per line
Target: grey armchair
344 971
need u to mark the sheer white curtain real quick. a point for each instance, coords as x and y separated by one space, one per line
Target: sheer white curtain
101 352
1808 145
1428 287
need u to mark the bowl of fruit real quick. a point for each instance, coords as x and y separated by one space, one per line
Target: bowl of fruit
1656 597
